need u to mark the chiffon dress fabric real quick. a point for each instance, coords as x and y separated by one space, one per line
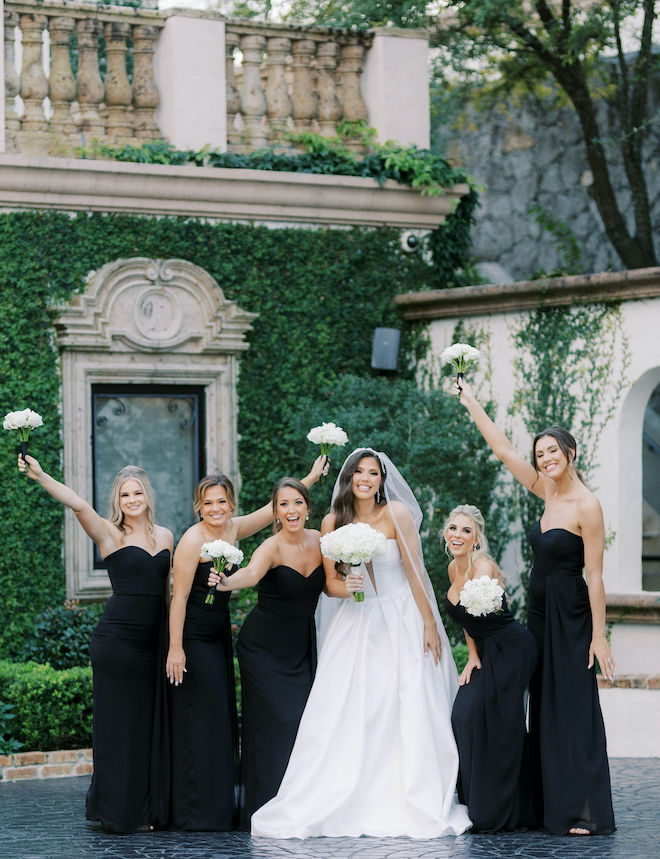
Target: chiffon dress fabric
204 720
375 753
130 782
489 722
277 658
569 751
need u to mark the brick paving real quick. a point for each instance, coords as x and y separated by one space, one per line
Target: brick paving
44 819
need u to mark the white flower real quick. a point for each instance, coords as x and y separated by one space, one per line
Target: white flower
355 543
328 434
219 549
21 419
460 355
481 596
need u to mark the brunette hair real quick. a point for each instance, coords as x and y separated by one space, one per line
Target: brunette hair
213 480
566 443
291 483
132 472
344 507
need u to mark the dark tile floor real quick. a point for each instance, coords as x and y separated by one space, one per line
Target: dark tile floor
44 820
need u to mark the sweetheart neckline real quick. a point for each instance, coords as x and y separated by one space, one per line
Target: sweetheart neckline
293 569
141 548
543 533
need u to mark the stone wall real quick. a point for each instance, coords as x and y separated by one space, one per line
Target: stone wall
535 156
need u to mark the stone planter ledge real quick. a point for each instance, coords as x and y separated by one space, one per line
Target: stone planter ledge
57 764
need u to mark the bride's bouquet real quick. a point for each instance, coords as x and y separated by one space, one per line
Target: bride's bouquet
223 555
356 543
23 421
481 596
327 435
460 355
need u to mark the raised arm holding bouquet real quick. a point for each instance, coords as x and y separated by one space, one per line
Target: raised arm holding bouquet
23 422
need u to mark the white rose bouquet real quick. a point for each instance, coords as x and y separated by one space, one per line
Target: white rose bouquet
356 543
328 435
223 555
23 421
481 596
460 355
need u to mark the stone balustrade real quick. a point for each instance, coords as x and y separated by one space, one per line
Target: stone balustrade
117 74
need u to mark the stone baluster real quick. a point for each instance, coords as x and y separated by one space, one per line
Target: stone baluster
145 91
12 122
253 99
329 112
33 83
277 96
62 91
304 98
233 96
354 108
90 85
118 91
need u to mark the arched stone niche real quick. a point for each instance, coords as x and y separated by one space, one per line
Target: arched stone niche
145 322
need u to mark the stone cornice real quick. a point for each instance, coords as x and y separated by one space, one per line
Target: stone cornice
530 294
218 193
643 607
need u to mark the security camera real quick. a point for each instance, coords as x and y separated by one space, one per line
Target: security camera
410 242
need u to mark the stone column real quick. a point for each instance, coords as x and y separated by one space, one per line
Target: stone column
12 122
277 96
33 83
353 105
62 82
329 112
253 99
232 94
90 85
304 98
118 92
145 91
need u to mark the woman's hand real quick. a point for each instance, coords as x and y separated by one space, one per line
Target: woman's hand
432 640
31 466
354 582
601 650
218 581
319 468
175 667
466 674
464 392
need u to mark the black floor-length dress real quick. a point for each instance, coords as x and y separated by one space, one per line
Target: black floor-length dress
569 752
277 658
130 784
203 711
489 722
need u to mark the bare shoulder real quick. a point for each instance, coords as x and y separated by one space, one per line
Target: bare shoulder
190 542
400 511
589 508
328 523
484 566
451 570
163 535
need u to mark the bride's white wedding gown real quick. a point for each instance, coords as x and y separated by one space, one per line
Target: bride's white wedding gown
375 752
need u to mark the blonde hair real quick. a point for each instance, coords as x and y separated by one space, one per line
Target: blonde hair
481 541
213 480
132 472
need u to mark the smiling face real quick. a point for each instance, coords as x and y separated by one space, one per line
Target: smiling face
291 509
367 478
215 509
132 501
550 459
460 535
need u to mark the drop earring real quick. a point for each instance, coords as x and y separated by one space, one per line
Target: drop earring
378 497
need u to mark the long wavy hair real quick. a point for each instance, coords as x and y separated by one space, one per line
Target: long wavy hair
480 549
344 504
292 483
213 480
132 472
567 445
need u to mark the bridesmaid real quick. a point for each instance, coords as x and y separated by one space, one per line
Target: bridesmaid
129 787
488 716
566 616
277 643
204 722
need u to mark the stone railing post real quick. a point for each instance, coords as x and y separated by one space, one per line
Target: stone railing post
233 96
118 92
62 83
33 83
12 122
277 97
253 99
304 98
329 109
145 91
354 108
90 85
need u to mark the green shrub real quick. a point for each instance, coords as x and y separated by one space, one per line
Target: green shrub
460 654
7 742
61 635
52 709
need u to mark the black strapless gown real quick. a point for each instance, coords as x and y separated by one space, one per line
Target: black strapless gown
277 658
204 721
130 784
569 751
488 718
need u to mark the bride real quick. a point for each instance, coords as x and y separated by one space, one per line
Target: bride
375 753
